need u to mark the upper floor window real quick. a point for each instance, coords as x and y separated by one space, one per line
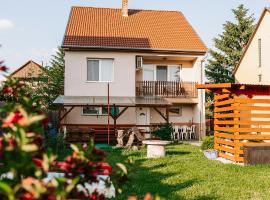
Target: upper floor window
100 70
260 52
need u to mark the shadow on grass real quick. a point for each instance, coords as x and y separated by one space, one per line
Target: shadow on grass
151 176
205 198
177 153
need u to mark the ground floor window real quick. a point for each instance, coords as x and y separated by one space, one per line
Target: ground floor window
91 110
175 111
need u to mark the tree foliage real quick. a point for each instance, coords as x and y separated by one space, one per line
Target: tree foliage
51 84
229 46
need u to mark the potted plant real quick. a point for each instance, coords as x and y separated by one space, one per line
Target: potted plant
208 148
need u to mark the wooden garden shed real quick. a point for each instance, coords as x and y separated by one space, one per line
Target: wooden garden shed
241 117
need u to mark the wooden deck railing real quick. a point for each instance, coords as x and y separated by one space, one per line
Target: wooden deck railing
173 89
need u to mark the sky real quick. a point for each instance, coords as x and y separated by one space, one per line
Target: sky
32 29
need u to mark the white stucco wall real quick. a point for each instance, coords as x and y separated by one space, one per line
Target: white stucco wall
76 74
249 70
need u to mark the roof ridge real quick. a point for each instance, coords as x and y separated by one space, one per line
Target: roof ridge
135 9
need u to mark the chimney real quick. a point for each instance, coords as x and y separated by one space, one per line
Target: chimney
125 8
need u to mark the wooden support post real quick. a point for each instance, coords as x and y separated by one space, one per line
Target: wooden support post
59 117
114 117
167 115
236 126
216 145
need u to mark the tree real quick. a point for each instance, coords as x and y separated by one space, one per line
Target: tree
229 46
52 83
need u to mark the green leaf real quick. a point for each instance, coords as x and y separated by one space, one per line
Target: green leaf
74 147
29 147
7 190
122 167
70 187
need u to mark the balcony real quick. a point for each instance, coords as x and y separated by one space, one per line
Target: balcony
169 89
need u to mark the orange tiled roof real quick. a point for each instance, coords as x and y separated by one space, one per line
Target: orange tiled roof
142 29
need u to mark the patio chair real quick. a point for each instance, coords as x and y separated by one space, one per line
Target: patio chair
175 134
192 131
184 132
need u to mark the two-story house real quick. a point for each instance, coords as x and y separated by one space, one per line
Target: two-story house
147 61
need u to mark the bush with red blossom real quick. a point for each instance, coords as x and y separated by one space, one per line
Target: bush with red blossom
24 162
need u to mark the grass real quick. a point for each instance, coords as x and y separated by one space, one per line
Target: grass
186 174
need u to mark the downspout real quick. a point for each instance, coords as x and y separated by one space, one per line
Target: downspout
202 97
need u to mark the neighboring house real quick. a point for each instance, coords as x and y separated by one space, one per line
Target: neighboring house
29 70
152 60
254 66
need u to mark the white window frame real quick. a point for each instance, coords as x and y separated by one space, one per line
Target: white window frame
99 68
99 112
148 67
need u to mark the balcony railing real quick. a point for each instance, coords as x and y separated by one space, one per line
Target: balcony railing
172 89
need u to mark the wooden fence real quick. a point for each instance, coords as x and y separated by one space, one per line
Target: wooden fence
238 123
238 119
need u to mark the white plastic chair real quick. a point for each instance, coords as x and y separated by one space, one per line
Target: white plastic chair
184 132
192 131
175 135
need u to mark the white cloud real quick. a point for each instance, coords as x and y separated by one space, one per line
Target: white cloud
6 24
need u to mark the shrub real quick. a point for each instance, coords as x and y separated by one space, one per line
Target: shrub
208 143
164 132
57 144
24 163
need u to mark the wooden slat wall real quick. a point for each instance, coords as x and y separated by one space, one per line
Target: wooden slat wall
238 122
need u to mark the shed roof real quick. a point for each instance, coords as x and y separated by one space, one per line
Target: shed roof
237 88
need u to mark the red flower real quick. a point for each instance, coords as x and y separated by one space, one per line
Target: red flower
3 68
63 166
37 162
13 118
26 196
105 168
8 90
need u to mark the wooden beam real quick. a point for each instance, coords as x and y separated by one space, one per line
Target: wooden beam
227 122
122 111
167 115
214 86
67 113
243 115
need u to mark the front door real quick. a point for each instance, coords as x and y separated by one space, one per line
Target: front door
143 116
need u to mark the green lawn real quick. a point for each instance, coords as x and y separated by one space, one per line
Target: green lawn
186 174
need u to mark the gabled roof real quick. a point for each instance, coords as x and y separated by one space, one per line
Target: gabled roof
105 28
251 38
25 65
